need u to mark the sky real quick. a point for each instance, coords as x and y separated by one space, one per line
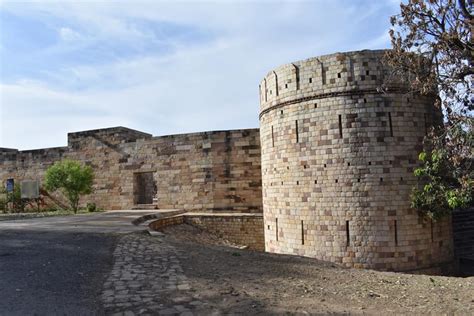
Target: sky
162 67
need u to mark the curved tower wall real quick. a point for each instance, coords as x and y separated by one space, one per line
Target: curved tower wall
337 165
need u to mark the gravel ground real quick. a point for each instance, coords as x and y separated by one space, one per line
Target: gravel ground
235 281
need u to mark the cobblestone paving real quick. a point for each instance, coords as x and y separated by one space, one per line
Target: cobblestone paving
147 279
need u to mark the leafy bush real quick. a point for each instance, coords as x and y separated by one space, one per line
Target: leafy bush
14 197
91 207
442 187
3 203
3 200
71 178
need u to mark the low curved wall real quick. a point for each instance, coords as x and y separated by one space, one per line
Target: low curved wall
242 229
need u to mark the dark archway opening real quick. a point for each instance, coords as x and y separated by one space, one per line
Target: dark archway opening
144 188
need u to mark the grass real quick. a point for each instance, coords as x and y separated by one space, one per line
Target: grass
28 215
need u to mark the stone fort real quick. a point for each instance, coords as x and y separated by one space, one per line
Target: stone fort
328 174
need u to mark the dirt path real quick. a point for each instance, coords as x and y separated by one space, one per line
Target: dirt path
246 282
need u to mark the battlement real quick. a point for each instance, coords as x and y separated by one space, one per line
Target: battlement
110 136
339 73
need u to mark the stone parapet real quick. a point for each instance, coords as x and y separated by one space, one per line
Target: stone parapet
242 229
326 76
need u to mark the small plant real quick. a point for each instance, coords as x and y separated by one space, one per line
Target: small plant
18 204
3 200
3 203
91 207
71 178
50 209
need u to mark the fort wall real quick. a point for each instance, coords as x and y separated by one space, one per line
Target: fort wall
213 171
337 161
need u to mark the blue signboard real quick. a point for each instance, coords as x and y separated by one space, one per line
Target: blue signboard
10 185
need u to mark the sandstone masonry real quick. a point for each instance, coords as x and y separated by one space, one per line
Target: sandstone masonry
214 171
337 163
243 229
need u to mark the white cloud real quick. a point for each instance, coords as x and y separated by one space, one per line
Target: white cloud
42 117
193 86
68 34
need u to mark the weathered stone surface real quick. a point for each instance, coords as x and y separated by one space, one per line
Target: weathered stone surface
239 228
201 171
337 163
145 278
242 229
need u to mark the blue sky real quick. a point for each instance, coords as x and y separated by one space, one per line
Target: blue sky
163 67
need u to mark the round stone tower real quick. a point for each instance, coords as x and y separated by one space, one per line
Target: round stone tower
338 157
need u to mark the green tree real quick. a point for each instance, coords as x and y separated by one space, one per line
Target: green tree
433 49
71 178
445 184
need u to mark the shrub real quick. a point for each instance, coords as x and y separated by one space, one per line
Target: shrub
91 207
442 188
3 203
71 178
14 197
